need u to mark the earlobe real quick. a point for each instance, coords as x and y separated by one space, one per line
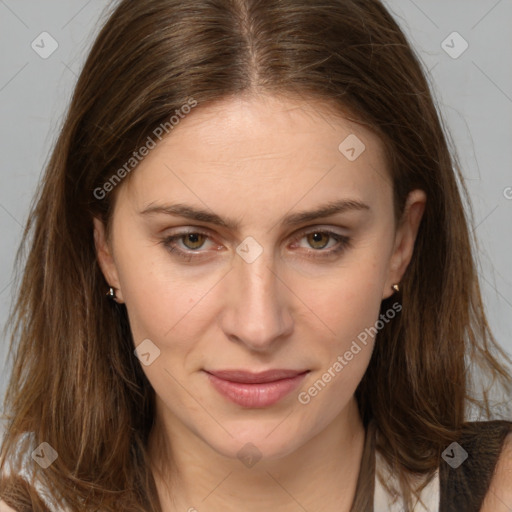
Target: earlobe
105 258
405 239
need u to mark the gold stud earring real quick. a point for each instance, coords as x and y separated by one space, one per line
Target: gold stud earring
396 287
112 294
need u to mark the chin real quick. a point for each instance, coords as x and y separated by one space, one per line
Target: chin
265 440
252 450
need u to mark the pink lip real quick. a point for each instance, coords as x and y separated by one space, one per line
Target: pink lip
255 389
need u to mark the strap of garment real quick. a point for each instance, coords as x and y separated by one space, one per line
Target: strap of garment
363 501
464 486
372 496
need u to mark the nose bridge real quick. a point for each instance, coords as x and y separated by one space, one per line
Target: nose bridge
257 308
258 282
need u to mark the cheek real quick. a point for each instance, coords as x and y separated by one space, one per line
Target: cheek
349 307
159 305
166 303
349 300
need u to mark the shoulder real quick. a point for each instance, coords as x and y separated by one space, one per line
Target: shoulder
5 508
499 495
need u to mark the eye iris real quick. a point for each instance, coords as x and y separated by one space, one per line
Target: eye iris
316 237
193 238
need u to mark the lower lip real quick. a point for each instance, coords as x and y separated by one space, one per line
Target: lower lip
256 395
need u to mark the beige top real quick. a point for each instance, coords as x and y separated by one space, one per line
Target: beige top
383 501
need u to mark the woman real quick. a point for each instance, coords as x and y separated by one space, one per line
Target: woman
265 194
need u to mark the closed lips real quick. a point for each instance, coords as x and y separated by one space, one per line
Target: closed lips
244 377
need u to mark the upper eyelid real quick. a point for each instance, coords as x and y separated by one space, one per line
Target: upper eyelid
306 229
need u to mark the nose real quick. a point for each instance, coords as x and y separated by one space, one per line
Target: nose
257 311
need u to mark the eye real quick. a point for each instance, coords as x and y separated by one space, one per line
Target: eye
196 240
191 243
322 239
188 245
319 240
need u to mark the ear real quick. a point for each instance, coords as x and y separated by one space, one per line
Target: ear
404 240
105 257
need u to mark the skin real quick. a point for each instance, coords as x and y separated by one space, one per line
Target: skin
254 160
499 496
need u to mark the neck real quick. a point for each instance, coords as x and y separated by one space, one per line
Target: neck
321 475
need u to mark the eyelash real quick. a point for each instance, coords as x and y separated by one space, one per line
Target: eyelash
343 243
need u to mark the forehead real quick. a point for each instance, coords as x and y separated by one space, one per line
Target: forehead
263 148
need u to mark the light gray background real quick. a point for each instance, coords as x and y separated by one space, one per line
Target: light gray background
474 93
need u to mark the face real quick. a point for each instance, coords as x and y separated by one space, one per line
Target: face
257 281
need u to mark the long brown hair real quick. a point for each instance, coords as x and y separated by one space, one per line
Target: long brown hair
76 383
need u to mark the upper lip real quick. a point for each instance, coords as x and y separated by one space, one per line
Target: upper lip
247 377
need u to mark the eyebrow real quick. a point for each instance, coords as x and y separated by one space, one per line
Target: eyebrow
193 213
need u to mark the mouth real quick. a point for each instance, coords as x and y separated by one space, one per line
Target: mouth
255 390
